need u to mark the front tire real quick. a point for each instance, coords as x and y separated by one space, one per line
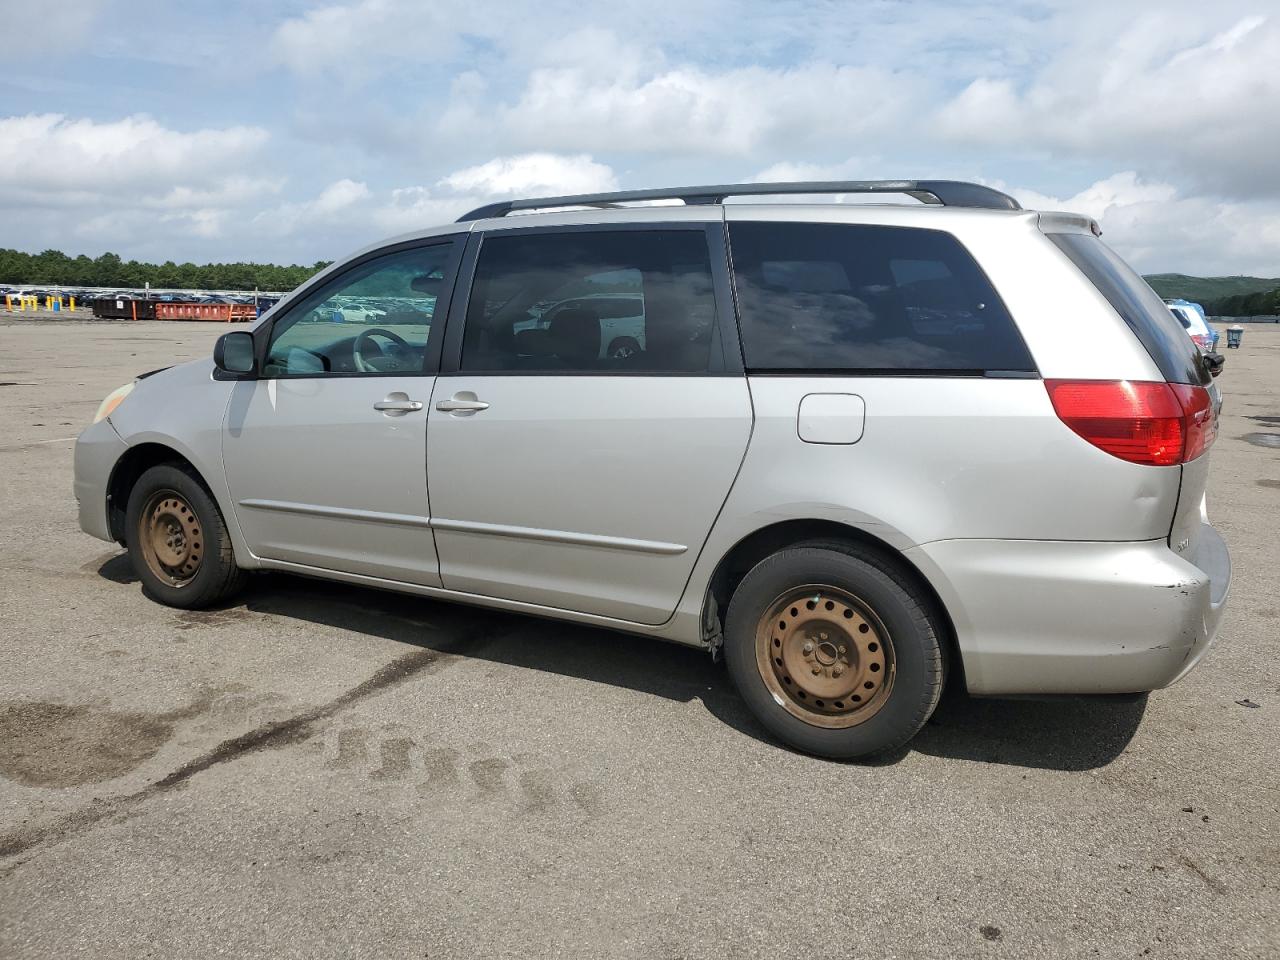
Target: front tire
178 542
835 650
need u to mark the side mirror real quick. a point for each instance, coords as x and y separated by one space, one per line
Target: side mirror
233 353
1214 361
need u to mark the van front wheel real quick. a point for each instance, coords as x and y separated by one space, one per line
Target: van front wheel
834 650
178 542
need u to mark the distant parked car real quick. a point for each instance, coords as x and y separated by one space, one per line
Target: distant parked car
1195 313
1196 326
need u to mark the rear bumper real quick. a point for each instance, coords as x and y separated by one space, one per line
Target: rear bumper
1065 617
98 449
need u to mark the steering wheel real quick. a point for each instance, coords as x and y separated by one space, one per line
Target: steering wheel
364 340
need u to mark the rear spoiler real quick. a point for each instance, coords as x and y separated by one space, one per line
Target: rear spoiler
1055 222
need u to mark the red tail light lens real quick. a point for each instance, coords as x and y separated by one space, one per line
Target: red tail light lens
1158 424
1200 426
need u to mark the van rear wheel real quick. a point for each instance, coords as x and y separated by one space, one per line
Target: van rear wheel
834 650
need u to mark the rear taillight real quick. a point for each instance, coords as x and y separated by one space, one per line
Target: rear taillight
1159 424
1200 425
1203 341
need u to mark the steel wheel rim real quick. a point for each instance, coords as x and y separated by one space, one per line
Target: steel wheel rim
825 656
170 538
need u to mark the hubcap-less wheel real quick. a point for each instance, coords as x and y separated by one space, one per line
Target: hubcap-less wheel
825 656
170 538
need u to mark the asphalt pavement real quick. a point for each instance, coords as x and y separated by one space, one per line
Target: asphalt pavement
319 770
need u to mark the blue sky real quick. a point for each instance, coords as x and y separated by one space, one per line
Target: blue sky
294 131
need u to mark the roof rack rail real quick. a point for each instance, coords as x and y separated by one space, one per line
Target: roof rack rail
948 193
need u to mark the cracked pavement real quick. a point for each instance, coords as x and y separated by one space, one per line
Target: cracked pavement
321 770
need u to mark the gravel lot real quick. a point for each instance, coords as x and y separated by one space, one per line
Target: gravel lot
321 770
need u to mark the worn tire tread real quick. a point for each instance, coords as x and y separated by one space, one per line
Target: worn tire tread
924 618
227 578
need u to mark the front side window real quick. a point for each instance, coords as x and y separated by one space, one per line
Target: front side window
591 302
374 319
855 297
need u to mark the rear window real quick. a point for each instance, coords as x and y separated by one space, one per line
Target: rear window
872 299
1175 354
597 302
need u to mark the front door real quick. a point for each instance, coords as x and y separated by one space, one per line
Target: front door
567 472
325 453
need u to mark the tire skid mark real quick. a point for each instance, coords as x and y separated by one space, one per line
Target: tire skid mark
272 735
1217 886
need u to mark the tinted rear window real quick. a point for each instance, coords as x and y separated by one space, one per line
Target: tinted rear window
855 297
598 302
1175 353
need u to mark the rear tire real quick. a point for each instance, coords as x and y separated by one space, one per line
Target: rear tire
178 542
835 650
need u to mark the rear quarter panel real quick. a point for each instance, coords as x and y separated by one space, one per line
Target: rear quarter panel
942 458
939 459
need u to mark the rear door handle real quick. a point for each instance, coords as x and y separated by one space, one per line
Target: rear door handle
461 405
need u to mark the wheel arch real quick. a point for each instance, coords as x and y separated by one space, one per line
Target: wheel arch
767 540
133 463
144 455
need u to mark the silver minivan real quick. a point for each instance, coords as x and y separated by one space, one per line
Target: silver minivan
861 450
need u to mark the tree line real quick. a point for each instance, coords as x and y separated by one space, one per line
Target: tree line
54 268
1246 305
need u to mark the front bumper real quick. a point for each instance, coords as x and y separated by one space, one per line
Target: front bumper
1065 617
98 449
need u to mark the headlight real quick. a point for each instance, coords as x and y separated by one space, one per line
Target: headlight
113 400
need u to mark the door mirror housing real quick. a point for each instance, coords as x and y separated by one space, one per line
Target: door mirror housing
233 354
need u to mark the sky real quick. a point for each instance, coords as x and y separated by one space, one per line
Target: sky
290 131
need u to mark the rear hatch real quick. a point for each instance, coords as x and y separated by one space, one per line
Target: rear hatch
1175 354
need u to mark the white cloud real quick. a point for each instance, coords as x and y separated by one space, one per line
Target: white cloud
50 157
124 184
606 95
855 168
1200 108
1159 230
533 174
412 208
384 98
350 207
1119 191
231 191
27 25
367 38
339 195
205 222
362 36
339 202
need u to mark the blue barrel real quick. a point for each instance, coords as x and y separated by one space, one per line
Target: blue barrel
1234 335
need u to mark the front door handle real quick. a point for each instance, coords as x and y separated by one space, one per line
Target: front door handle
397 403
464 402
